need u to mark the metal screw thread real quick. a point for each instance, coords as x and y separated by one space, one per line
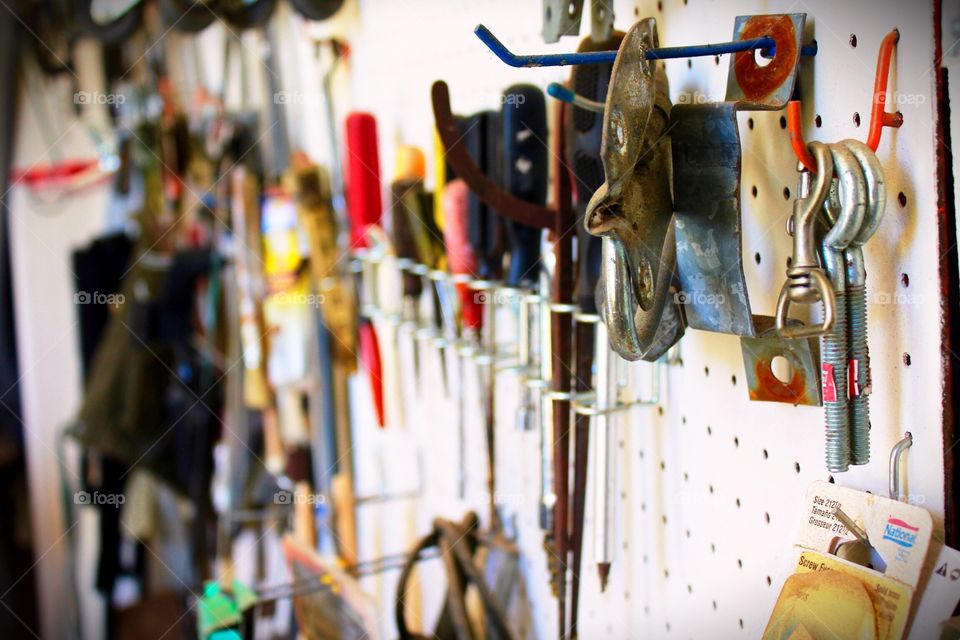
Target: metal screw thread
833 349
859 351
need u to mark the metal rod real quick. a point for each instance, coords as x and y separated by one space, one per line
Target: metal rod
602 457
895 456
766 44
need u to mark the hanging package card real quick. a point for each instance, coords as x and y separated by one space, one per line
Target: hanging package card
852 584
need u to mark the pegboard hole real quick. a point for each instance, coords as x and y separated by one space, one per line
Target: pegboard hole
689 588
687 532
660 411
689 63
664 518
782 369
783 122
786 193
818 121
757 258
904 280
750 123
713 548
760 59
769 581
683 419
738 503
716 59
709 430
711 489
733 379
714 605
766 517
736 441
753 191
856 119
853 40
902 199
766 454
706 371
668 626
739 563
796 467
741 623
666 573
906 359
686 477
663 465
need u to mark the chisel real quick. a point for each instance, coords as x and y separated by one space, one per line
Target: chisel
584 133
365 208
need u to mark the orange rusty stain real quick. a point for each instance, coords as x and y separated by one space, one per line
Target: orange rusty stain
759 82
770 388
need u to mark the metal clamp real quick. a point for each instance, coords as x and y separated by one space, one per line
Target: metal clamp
634 200
807 282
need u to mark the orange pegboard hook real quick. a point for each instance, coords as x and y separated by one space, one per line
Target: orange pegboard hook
879 117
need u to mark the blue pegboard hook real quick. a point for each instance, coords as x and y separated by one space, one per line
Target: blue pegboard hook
766 45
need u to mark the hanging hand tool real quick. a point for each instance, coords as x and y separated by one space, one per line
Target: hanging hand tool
417 242
559 218
485 234
338 316
524 166
462 262
365 209
584 135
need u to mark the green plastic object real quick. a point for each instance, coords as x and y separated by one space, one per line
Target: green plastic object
220 612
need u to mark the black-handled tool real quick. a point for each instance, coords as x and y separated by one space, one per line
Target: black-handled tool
484 225
523 123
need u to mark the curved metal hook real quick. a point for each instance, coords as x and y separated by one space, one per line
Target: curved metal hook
487 190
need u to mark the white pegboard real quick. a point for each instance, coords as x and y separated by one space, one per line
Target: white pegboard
709 483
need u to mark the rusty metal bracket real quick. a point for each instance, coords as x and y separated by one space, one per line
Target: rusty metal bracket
632 211
801 354
770 86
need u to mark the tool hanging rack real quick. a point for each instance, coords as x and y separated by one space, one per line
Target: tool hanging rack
672 450
688 453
